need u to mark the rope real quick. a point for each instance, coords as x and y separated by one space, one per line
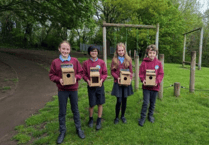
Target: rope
147 37
115 39
137 38
194 89
168 86
126 38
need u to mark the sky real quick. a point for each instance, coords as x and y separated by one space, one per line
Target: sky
204 5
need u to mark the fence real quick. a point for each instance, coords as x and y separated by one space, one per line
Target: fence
84 47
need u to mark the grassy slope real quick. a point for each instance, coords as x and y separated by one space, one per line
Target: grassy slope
182 120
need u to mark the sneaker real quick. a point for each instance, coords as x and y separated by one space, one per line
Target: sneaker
116 120
99 124
141 121
151 119
90 123
60 138
123 119
80 133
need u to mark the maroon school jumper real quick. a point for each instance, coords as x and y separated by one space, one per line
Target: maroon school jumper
157 66
116 72
55 73
99 63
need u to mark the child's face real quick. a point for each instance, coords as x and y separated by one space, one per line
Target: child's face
94 53
120 51
64 50
151 54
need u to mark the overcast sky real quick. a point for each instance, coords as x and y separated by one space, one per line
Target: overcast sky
204 5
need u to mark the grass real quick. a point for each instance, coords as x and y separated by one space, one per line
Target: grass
178 120
5 88
15 80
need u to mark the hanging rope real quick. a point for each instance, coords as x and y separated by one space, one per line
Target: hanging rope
115 40
137 38
148 37
126 39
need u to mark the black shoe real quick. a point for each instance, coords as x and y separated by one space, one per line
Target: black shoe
151 119
80 133
90 123
116 120
123 119
99 124
141 121
60 138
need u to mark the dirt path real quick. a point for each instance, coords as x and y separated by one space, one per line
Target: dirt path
33 90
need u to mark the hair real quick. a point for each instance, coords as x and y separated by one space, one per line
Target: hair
127 60
65 41
151 47
92 48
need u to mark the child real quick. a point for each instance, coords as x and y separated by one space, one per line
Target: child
121 61
66 91
150 93
96 94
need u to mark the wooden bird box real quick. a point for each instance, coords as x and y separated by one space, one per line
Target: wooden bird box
125 78
68 74
94 77
150 77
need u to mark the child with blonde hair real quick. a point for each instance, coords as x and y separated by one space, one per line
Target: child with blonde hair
121 60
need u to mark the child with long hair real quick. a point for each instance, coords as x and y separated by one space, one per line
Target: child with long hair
150 92
121 60
66 91
96 94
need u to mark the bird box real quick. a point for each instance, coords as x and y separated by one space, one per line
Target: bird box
125 78
150 77
94 77
68 75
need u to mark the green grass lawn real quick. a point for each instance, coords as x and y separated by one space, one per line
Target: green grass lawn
178 120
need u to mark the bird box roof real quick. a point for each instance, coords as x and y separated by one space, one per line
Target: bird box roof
94 71
67 70
67 67
125 72
150 72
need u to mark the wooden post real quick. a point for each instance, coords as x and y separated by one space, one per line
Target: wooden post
157 37
104 45
129 53
136 73
192 71
177 87
160 94
200 50
184 50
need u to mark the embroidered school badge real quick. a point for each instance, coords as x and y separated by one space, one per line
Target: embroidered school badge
156 67
98 66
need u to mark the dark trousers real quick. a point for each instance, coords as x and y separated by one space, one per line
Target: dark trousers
120 100
149 98
63 97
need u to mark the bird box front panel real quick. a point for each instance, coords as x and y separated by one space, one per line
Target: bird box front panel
150 77
68 74
94 77
125 78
